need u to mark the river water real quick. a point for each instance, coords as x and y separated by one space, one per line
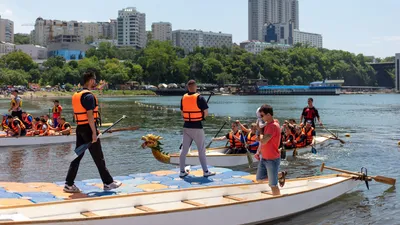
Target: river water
371 121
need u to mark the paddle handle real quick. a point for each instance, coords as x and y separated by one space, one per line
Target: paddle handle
109 128
381 179
223 125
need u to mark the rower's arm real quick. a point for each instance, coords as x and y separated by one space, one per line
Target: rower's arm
219 138
19 131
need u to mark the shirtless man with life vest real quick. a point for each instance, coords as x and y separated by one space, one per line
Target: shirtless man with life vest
310 113
17 127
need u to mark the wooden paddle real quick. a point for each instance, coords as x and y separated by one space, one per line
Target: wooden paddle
79 150
381 179
124 129
209 144
336 137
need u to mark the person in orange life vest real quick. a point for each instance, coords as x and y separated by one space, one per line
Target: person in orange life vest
269 155
44 128
16 104
57 109
17 127
250 139
288 137
4 122
308 134
36 127
86 113
310 113
63 128
235 145
27 119
48 120
300 137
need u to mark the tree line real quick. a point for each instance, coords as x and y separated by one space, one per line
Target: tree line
161 62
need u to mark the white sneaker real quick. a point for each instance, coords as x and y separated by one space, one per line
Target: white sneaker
208 174
114 185
71 189
183 174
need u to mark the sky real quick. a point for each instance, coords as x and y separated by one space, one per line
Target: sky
360 26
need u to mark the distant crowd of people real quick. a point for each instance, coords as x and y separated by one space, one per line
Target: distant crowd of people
20 123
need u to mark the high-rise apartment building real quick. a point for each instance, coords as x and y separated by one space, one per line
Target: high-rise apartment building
190 39
161 31
263 12
131 29
6 30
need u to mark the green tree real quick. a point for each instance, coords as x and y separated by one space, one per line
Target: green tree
21 39
18 61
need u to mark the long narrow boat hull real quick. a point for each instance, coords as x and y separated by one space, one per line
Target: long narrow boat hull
197 206
217 156
40 140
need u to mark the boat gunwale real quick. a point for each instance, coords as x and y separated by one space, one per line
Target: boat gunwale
243 154
346 176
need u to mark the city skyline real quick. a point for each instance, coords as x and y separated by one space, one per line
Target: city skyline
343 24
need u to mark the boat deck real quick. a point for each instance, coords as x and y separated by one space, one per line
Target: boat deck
13 193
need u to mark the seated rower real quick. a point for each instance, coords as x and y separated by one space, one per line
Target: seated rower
4 122
300 137
63 127
17 127
250 139
236 146
288 139
309 132
36 127
27 119
45 128
48 120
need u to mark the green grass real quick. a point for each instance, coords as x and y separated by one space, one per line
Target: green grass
125 92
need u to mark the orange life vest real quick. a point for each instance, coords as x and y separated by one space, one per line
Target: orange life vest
4 124
37 126
62 127
289 144
309 135
29 123
80 113
300 144
41 131
251 139
235 143
15 128
56 111
190 109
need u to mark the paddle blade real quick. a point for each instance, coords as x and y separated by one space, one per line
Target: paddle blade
313 150
79 150
249 159
385 180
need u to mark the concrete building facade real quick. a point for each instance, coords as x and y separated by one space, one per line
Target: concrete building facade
190 39
34 51
397 72
162 31
281 33
6 48
257 47
131 31
312 39
67 46
6 30
46 30
261 12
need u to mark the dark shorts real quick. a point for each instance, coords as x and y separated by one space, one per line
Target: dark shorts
23 133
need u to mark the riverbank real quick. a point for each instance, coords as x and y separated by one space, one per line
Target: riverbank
66 94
